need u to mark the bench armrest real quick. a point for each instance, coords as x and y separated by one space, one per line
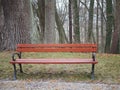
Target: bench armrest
14 54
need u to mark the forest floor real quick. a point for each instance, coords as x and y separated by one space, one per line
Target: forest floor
61 77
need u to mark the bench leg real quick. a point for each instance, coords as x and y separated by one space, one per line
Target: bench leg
92 73
15 72
21 68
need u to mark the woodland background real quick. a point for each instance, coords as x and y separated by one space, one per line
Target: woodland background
60 21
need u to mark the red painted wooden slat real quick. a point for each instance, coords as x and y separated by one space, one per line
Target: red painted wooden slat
57 49
56 45
54 61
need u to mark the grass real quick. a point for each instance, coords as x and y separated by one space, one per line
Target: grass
106 71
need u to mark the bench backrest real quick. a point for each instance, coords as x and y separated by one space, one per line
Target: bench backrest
56 48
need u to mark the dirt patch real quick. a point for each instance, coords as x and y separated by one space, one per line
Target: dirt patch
54 85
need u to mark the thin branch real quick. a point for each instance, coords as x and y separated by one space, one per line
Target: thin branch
101 10
84 5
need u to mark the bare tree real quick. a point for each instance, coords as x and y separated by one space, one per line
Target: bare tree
102 45
76 29
41 16
62 36
115 40
97 26
70 22
1 25
109 25
90 22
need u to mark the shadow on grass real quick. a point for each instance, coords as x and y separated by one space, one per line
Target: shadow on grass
63 75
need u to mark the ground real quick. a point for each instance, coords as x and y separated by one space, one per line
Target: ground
61 77
54 85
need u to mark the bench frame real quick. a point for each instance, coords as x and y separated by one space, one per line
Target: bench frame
21 61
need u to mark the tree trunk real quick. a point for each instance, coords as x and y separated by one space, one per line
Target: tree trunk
115 40
1 25
61 31
76 21
97 28
90 22
17 23
109 25
119 43
70 22
41 16
49 21
102 45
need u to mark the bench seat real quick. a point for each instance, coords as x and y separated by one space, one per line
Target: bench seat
54 61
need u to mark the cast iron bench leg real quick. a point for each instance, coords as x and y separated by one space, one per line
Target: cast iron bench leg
21 68
15 72
92 73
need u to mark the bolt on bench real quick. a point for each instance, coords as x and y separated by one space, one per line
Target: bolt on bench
85 48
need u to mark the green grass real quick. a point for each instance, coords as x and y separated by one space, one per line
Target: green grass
106 71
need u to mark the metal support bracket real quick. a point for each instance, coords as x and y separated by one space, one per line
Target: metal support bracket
93 66
14 65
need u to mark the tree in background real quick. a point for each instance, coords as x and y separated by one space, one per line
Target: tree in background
70 22
75 8
97 26
1 25
90 23
62 36
115 47
109 25
49 21
41 16
17 23
102 45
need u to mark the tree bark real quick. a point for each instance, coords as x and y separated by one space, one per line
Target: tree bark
76 28
70 22
97 28
109 25
115 40
49 21
102 45
41 16
17 23
90 22
1 25
61 31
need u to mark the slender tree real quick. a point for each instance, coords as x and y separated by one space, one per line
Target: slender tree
102 24
41 16
62 36
90 22
97 28
109 25
76 21
70 22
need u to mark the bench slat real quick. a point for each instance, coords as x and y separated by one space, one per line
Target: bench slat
56 45
54 61
56 49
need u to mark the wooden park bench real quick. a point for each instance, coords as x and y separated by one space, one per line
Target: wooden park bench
54 48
